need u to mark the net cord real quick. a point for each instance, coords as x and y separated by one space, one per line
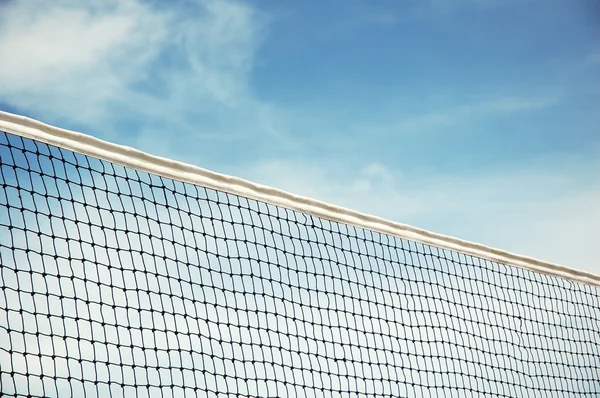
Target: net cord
130 157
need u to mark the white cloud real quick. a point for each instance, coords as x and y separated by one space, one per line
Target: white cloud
93 61
73 59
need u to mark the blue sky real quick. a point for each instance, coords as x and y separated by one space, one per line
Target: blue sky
475 118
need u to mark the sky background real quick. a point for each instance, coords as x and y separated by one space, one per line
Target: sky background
473 118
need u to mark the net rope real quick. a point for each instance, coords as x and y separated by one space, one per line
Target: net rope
120 283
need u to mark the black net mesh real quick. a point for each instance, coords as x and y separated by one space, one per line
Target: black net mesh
117 283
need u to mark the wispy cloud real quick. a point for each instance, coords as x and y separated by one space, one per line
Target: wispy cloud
473 111
184 65
75 59
441 8
437 119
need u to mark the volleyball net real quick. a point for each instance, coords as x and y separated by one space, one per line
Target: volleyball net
124 275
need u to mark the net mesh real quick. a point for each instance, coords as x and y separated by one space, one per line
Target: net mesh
118 283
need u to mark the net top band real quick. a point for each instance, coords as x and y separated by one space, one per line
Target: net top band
133 158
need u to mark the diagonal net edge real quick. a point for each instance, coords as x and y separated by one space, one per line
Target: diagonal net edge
136 159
